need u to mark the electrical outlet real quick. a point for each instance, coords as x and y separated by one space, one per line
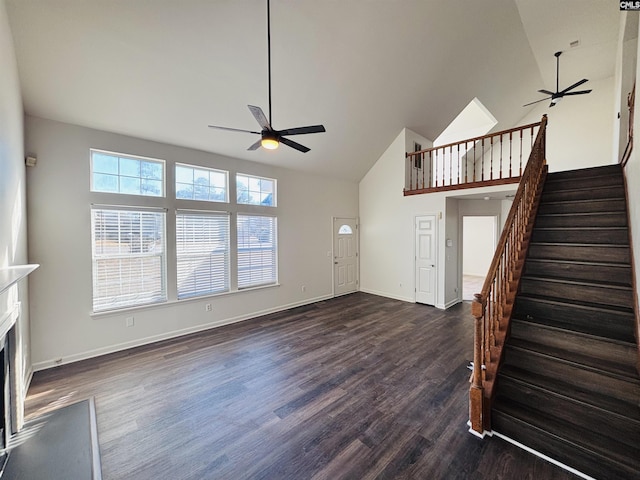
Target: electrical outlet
304 288
129 321
208 307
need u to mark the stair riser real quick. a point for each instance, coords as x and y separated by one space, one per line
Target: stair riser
553 184
575 343
608 274
610 236
608 219
607 324
591 206
584 194
619 429
573 376
558 449
581 253
578 293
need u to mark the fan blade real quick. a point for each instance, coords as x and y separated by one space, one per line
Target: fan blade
577 84
537 101
292 144
303 130
581 92
260 117
256 145
546 92
233 129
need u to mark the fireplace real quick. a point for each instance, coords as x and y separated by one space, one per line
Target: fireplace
11 354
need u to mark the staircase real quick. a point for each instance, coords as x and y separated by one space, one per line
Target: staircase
568 387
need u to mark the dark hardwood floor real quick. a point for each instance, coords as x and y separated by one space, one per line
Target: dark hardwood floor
355 387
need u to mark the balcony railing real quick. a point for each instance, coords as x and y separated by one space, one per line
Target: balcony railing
495 159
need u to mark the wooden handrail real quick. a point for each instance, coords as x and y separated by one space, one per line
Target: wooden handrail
492 159
475 139
492 307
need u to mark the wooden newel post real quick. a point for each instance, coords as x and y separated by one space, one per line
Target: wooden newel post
476 407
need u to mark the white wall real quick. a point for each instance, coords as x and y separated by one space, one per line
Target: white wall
13 226
63 329
387 252
632 170
579 129
478 244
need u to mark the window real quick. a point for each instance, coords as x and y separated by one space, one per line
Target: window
128 248
116 173
130 231
345 230
200 183
255 190
202 247
257 252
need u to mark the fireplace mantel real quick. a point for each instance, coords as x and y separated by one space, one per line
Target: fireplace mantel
11 275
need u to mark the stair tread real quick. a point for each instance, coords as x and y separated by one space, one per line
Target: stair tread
586 336
555 447
583 395
605 307
581 228
580 437
579 262
582 214
578 282
593 308
568 403
632 380
619 368
598 170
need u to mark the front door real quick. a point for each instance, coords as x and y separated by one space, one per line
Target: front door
345 255
426 237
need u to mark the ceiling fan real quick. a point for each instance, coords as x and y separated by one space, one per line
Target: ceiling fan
270 137
558 94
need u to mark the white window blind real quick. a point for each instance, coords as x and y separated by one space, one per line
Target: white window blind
129 264
202 247
257 250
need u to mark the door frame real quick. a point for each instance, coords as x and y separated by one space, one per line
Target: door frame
437 217
333 254
496 240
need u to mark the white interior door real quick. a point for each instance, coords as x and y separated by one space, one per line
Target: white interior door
345 255
426 260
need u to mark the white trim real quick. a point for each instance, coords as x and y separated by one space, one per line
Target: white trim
169 335
543 456
449 304
388 295
479 435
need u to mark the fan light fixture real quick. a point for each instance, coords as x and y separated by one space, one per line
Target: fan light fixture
269 143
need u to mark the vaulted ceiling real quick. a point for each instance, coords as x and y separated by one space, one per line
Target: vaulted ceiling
165 69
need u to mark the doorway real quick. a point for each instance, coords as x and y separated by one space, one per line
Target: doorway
479 236
345 256
426 236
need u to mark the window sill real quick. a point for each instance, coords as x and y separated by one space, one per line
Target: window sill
174 302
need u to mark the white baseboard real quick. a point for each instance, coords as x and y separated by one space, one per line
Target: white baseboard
387 295
46 364
543 456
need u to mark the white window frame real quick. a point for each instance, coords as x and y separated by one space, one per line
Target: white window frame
163 180
199 167
274 202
